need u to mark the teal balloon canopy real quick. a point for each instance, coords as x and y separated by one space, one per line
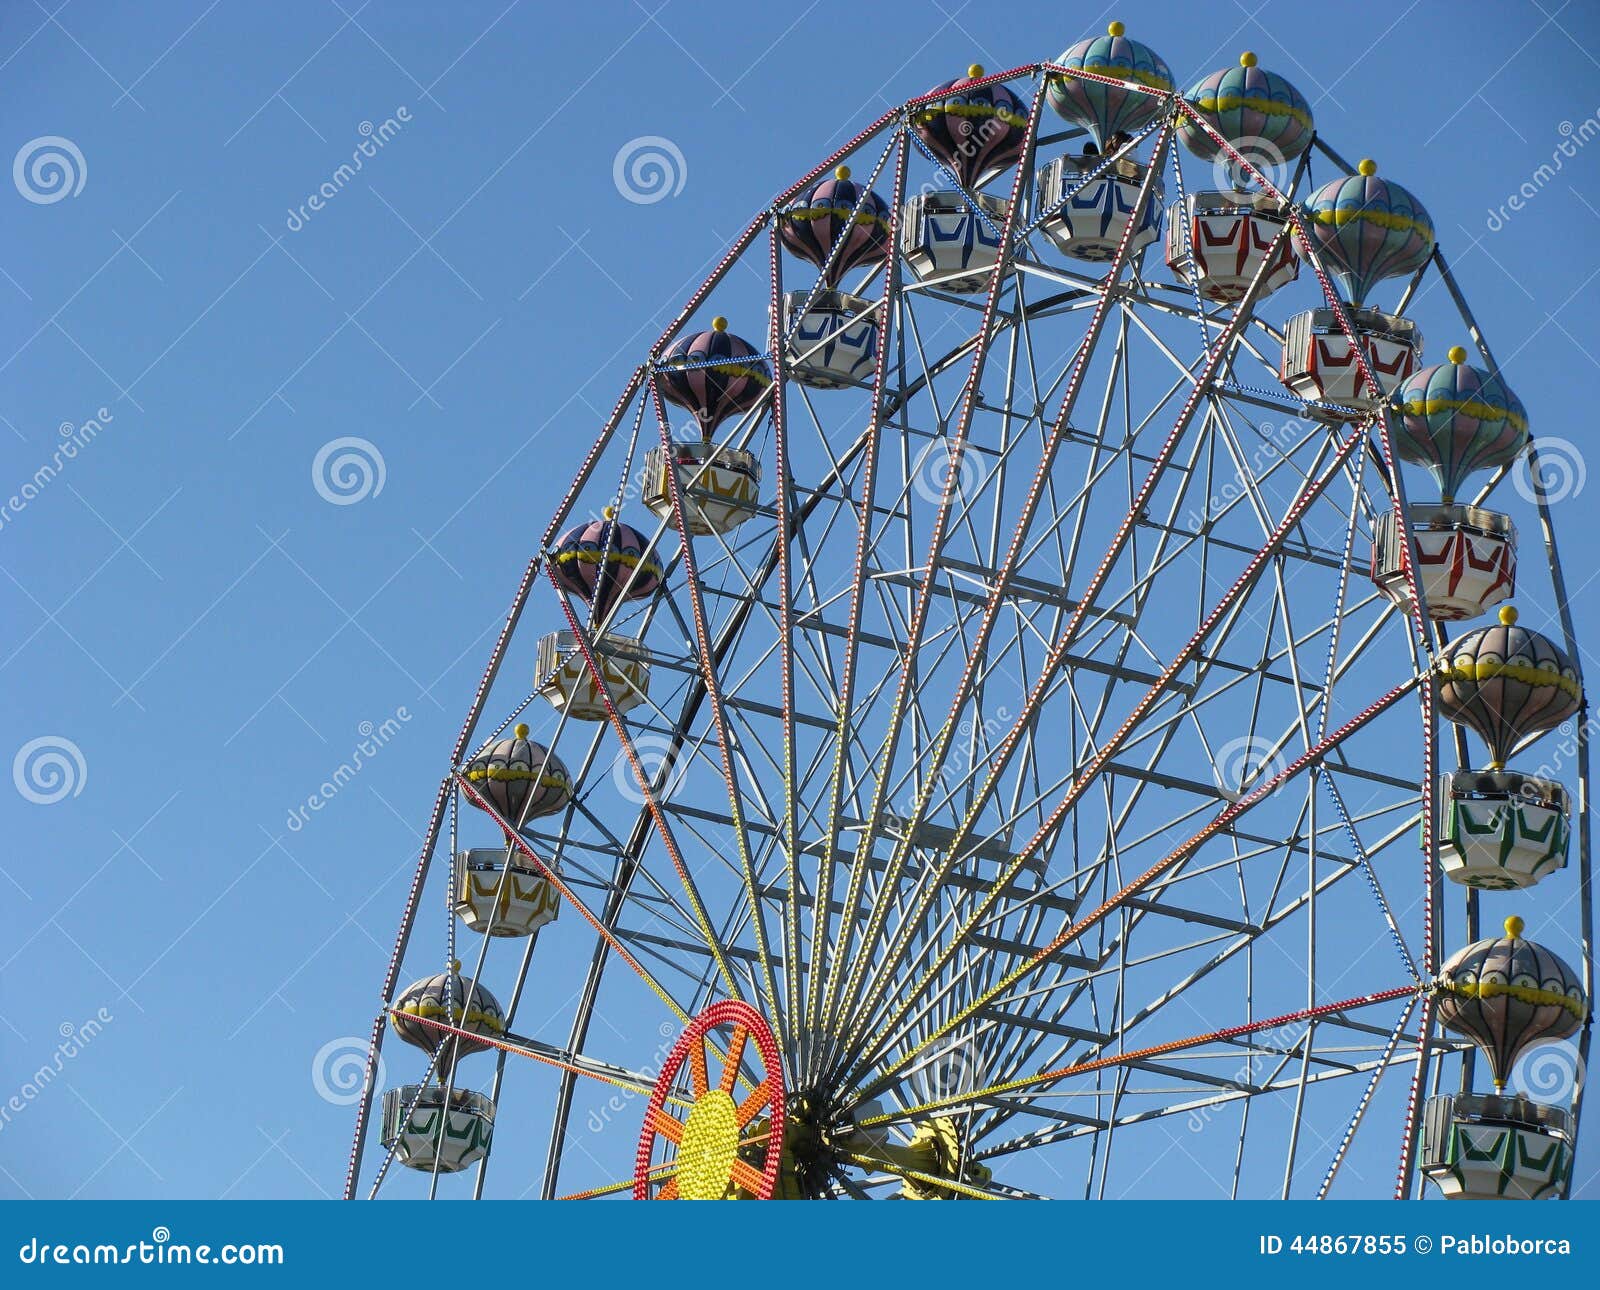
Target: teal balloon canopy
1105 110
1367 229
1456 419
1257 111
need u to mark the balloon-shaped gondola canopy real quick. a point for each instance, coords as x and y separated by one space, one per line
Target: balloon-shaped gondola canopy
605 561
840 213
522 780
1507 682
727 378
426 999
1507 994
1367 229
1456 419
1257 111
976 130
1101 108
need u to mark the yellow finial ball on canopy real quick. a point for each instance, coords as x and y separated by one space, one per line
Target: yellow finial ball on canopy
974 71
1457 354
841 172
1367 167
1247 59
719 323
1514 926
1116 29
521 730
1508 615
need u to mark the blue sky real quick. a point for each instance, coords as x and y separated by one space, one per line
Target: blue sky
183 606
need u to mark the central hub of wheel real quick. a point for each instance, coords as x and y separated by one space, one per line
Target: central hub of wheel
710 1146
726 1146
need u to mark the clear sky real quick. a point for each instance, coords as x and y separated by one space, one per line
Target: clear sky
184 607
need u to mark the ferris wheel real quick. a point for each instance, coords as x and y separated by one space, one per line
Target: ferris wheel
1000 713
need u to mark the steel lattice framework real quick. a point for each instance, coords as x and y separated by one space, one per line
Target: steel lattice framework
1038 760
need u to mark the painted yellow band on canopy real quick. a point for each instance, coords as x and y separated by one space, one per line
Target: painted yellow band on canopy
503 773
839 212
1154 81
1490 670
1267 107
1522 993
1472 408
437 1011
1383 219
971 109
723 369
651 564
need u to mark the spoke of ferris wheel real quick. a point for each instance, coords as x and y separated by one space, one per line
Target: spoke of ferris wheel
586 647
1193 705
821 982
1035 695
779 348
936 1104
1174 858
1024 935
1166 729
565 889
837 1005
1026 948
1354 1123
719 722
573 1063
1032 1029
1090 594
1021 1020
1156 756
1069 1127
1128 1026
844 734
